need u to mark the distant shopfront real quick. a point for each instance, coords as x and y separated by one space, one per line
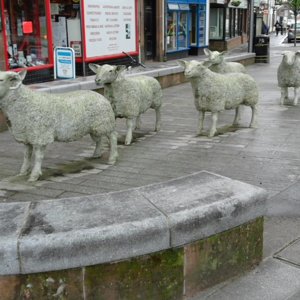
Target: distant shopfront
98 31
228 24
186 27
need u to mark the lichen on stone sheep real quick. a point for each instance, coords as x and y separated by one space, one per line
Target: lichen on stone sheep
288 75
219 65
37 119
129 97
215 92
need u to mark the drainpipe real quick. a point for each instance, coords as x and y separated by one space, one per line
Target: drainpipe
251 26
165 29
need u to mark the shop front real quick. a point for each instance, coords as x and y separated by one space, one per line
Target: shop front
228 24
186 27
98 31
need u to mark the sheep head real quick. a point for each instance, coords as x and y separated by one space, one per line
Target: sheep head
194 68
290 56
215 57
106 73
10 81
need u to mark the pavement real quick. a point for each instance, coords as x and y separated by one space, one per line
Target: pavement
267 156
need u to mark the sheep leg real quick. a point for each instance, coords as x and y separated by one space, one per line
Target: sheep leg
38 159
284 95
296 95
113 155
201 122
158 119
99 146
254 115
25 169
237 116
138 122
213 128
130 126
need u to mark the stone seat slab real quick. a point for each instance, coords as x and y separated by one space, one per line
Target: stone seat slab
74 232
204 204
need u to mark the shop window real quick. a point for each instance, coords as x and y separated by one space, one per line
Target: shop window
177 27
27 33
172 31
182 31
216 29
202 25
228 23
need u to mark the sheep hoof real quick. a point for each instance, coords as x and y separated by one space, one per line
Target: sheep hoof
112 161
127 142
33 178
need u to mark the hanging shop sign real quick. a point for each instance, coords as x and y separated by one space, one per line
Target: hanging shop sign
64 63
110 27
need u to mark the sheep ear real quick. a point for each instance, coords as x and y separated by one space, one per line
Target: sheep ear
207 63
94 67
223 52
22 74
207 52
120 68
15 80
182 63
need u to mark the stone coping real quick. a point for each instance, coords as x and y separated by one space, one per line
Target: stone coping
67 233
88 82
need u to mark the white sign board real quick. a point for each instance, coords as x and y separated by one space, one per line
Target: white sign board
110 27
64 63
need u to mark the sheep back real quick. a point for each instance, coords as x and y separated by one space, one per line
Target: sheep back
39 118
225 91
131 97
228 67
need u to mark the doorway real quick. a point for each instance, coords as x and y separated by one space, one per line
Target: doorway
150 28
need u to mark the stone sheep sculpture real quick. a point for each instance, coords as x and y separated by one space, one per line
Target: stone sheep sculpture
215 92
38 119
129 97
288 75
219 65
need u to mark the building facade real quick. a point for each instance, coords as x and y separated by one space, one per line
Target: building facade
97 30
228 24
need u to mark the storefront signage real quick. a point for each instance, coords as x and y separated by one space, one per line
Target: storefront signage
110 27
64 63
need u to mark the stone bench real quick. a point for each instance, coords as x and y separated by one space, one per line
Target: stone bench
161 241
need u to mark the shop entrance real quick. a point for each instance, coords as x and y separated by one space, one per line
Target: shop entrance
150 29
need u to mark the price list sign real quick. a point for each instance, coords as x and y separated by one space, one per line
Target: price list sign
110 27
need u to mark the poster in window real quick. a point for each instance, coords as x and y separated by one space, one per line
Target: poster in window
110 27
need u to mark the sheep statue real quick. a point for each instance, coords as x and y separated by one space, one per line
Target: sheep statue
129 97
38 119
288 75
219 65
215 92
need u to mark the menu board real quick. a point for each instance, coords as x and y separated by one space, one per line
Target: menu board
110 27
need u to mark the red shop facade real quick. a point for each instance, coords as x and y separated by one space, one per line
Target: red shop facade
101 31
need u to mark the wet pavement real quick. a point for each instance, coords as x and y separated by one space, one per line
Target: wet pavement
267 156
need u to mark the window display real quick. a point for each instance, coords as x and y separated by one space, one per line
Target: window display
26 33
216 29
177 31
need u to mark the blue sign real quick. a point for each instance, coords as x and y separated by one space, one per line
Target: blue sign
64 63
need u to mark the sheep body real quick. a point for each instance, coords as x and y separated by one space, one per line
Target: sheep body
219 65
38 119
288 75
215 92
129 97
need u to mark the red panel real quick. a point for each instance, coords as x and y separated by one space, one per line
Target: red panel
27 27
